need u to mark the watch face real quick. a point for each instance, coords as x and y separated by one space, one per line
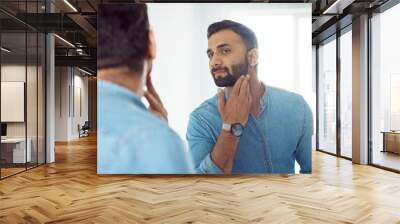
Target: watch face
237 129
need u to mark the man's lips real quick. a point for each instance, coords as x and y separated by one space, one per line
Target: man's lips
219 73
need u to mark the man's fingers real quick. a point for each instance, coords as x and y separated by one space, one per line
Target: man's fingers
154 103
158 114
248 95
247 91
149 83
155 106
244 87
150 86
151 89
221 100
155 95
236 87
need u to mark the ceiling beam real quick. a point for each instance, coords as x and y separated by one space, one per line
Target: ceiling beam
337 6
82 61
86 26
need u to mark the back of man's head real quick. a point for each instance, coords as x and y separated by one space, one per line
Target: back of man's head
122 36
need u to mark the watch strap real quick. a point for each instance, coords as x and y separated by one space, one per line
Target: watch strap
226 127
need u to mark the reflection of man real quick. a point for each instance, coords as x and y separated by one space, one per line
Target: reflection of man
249 127
130 138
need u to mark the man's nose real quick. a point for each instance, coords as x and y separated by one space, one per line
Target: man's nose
215 61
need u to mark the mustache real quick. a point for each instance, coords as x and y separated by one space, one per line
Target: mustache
213 70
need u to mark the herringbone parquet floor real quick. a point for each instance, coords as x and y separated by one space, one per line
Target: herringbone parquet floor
70 191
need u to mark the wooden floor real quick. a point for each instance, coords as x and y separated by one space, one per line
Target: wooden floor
388 159
5 172
70 191
10 171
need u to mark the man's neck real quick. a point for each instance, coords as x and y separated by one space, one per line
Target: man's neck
256 89
124 78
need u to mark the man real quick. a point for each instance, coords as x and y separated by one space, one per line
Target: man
131 138
248 127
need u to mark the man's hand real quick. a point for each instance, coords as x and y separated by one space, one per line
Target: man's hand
156 106
237 108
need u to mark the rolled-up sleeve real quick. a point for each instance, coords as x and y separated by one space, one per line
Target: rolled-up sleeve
201 142
304 147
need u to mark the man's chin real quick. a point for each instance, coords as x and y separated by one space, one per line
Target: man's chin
226 81
223 84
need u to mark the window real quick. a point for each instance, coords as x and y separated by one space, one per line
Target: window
385 88
395 102
327 96
346 94
22 78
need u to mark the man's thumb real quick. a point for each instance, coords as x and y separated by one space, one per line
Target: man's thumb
221 100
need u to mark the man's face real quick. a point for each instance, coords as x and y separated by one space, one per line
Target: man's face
227 55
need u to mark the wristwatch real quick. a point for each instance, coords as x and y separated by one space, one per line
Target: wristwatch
235 129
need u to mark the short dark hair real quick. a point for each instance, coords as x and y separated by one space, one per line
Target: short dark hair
243 31
122 35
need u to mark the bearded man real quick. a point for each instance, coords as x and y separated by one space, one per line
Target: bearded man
248 127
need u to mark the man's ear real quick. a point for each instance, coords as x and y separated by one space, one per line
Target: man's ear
152 45
252 57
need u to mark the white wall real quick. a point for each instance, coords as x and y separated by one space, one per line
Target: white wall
61 104
17 73
181 74
80 100
69 82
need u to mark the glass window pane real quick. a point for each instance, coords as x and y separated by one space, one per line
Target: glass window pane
346 94
32 88
41 98
14 152
23 90
31 100
386 89
327 96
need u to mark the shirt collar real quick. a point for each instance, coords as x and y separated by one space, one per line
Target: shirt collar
115 89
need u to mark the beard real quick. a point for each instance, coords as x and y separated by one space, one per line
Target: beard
230 78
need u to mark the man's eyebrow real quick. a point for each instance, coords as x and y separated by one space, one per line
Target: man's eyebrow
219 47
222 45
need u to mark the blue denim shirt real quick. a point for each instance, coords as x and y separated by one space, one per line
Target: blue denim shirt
130 140
270 143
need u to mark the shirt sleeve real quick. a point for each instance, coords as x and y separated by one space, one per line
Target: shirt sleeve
303 150
201 142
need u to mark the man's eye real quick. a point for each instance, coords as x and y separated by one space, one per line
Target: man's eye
209 55
225 51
